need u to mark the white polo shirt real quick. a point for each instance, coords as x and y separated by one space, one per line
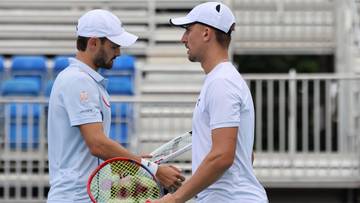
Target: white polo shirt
225 101
78 97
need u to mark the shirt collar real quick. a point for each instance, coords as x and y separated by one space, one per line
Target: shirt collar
92 73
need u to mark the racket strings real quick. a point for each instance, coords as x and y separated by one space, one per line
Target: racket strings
122 181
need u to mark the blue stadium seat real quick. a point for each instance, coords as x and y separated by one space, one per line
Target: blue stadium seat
2 69
122 65
121 76
20 87
119 133
27 139
23 110
124 62
121 110
121 122
24 125
120 85
23 130
30 67
28 63
2 66
60 63
48 87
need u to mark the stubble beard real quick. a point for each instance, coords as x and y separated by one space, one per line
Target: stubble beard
192 58
100 60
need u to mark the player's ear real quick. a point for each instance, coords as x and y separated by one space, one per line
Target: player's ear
206 33
92 43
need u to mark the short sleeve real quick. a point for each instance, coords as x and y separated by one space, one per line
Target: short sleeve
223 104
81 101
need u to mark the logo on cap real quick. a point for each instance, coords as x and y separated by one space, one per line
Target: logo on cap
213 14
218 8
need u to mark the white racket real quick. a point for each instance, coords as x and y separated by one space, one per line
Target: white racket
172 149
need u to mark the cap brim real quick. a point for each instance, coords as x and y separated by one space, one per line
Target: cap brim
182 21
125 39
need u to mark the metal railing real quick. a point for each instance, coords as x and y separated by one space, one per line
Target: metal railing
306 112
307 129
307 133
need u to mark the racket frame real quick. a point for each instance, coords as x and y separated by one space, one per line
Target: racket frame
98 168
170 156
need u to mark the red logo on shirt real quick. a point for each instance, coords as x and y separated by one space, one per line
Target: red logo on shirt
106 102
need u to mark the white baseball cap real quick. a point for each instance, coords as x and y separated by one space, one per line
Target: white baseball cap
214 14
102 23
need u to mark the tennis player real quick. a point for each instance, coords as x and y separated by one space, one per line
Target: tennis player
79 112
223 119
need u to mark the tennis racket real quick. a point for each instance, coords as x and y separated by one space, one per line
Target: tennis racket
122 180
172 148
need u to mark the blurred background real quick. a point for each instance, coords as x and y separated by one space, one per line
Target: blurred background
300 58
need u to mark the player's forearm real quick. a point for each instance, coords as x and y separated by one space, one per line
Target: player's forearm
210 170
107 149
100 145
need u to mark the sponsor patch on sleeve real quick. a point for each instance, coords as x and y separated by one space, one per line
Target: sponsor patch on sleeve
84 97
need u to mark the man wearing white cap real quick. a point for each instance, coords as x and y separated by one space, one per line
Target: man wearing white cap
79 112
223 118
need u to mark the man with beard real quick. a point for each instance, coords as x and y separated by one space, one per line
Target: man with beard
79 112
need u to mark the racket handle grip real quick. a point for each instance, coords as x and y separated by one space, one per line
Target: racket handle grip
153 167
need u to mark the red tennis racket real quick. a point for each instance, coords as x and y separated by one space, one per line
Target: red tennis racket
122 180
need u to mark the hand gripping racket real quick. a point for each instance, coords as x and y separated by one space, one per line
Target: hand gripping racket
122 180
172 149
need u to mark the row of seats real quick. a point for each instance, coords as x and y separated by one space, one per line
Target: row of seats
25 123
29 75
117 85
23 120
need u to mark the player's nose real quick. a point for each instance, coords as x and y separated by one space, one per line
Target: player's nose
118 52
184 39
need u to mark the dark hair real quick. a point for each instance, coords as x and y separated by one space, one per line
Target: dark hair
224 38
81 42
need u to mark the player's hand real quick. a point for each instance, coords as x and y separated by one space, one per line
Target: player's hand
169 176
169 198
